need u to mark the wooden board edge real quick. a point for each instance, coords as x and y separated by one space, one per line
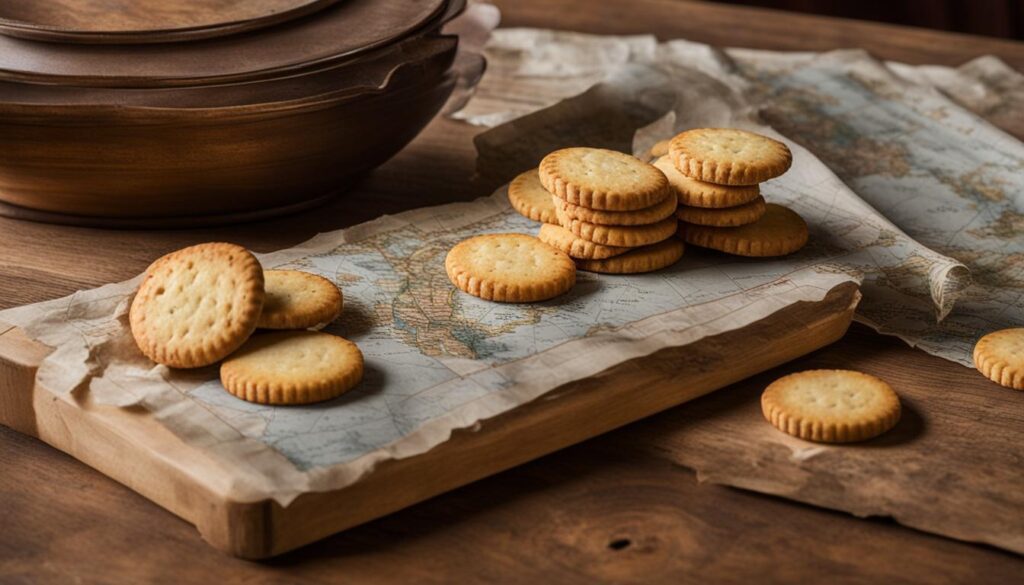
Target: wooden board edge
129 447
616 397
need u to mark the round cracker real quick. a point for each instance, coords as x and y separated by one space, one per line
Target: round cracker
727 156
658 149
647 216
298 300
999 356
619 235
292 367
724 217
638 260
780 231
511 268
530 198
575 246
197 305
602 179
694 193
831 406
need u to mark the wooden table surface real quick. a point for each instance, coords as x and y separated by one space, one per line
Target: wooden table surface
613 509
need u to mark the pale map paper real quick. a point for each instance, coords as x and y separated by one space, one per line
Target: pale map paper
439 360
946 177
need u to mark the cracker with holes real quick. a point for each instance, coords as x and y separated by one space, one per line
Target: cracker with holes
602 179
727 156
999 356
831 406
511 268
197 305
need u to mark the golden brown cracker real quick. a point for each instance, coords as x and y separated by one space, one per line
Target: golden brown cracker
512 268
620 236
530 198
724 217
292 367
694 193
999 356
602 179
728 156
298 300
575 246
197 305
831 406
638 260
780 231
653 214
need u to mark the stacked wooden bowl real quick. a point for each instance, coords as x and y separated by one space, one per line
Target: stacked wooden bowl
186 112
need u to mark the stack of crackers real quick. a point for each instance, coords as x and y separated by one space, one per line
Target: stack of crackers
202 305
716 173
610 212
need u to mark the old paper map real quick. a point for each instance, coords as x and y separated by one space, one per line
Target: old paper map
439 360
896 135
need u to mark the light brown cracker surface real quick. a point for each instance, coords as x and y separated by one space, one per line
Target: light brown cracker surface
638 260
780 231
530 198
999 356
602 179
694 193
727 156
298 300
575 246
512 268
832 406
647 216
197 305
724 217
620 236
292 367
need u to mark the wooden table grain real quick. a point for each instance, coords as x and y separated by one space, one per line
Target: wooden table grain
614 509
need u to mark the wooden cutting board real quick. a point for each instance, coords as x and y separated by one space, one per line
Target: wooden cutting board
131 447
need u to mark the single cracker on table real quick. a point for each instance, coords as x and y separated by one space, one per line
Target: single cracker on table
999 356
652 214
831 406
298 300
511 268
575 246
197 305
292 367
638 260
780 231
727 156
602 179
631 236
724 217
530 198
694 193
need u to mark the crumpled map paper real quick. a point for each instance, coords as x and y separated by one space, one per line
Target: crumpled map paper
908 141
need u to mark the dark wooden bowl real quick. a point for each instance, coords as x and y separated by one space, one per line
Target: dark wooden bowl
432 55
336 34
145 21
135 163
